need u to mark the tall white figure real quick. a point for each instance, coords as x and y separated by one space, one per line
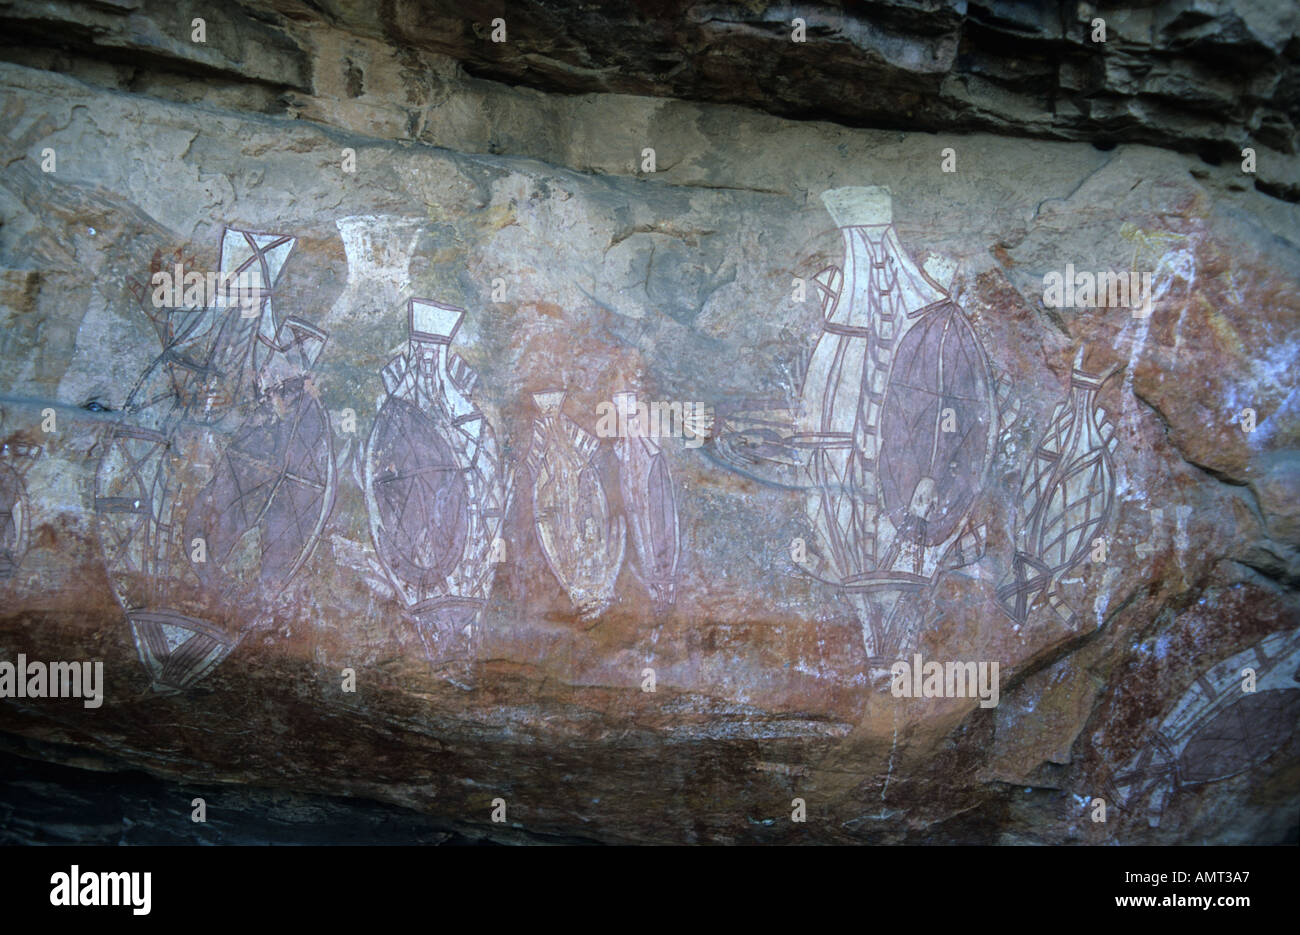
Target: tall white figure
436 487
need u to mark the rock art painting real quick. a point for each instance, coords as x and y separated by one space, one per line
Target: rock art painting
650 504
1067 496
582 542
436 488
15 507
378 250
215 483
1217 730
899 418
596 448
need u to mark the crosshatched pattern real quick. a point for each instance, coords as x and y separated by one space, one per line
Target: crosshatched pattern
585 271
215 484
436 489
1067 494
271 483
904 413
1240 736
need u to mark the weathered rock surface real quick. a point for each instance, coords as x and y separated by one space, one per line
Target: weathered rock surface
1206 77
368 502
96 801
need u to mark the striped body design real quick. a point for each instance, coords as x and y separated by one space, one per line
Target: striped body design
902 413
649 504
435 486
214 486
583 544
1215 730
1067 494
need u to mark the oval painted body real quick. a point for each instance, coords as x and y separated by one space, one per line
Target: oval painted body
662 518
13 520
421 496
274 479
1240 736
939 365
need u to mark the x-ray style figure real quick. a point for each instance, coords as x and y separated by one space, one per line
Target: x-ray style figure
902 416
1217 729
436 487
217 479
15 506
582 542
1067 496
650 504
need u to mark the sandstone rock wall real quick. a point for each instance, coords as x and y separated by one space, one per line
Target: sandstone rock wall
392 454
